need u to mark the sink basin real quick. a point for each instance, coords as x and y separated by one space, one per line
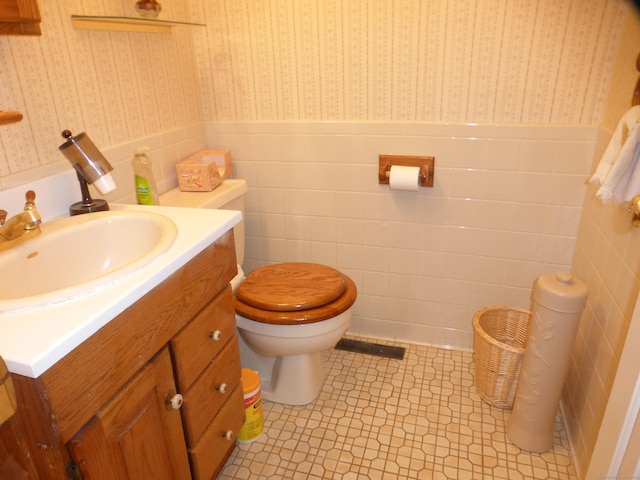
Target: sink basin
76 255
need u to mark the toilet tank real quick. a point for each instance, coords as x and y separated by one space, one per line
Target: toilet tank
229 195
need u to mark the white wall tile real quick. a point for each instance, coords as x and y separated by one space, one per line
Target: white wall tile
403 261
322 203
430 263
529 217
492 243
296 202
376 259
270 200
567 189
459 266
532 187
502 154
484 294
324 253
402 287
268 175
298 250
413 251
322 229
297 227
494 215
275 249
429 289
271 225
561 220
536 155
349 257
490 270
498 185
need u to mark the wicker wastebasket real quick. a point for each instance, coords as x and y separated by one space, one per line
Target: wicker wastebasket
499 341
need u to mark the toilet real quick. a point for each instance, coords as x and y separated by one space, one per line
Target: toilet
286 313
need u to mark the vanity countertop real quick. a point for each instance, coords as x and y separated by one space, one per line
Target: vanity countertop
31 341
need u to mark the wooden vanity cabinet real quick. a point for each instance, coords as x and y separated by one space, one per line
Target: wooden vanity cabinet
14 462
108 408
213 410
135 435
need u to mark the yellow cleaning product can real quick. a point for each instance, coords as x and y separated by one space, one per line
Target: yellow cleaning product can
254 423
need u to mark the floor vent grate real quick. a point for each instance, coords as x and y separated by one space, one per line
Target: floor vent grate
376 349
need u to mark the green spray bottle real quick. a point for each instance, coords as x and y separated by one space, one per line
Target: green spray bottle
145 183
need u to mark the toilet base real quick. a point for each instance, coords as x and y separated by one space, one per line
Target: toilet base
291 380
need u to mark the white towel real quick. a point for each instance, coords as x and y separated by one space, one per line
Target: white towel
617 173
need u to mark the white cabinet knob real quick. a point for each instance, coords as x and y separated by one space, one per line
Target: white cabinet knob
222 388
228 435
217 335
174 401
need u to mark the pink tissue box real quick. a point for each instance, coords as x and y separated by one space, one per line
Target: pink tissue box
203 171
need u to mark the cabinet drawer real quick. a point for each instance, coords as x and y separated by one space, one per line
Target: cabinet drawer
203 338
208 456
205 397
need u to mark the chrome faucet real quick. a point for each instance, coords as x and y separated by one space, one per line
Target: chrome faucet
22 226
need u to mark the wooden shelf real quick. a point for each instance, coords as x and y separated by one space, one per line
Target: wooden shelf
126 24
19 17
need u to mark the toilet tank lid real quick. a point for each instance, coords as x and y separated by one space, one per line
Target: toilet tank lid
227 191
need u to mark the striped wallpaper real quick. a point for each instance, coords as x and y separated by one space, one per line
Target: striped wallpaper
482 61
478 61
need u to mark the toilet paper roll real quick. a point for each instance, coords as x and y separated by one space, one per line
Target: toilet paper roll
402 177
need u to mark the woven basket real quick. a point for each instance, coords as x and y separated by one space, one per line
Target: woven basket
499 341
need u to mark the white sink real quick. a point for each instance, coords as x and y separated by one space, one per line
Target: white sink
76 255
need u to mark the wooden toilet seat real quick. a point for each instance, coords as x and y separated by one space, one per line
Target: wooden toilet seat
294 293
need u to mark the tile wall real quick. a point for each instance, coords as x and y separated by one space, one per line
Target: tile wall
606 257
504 209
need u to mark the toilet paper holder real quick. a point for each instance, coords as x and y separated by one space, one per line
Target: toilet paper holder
425 163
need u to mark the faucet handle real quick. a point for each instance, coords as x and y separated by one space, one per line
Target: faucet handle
30 197
33 214
3 216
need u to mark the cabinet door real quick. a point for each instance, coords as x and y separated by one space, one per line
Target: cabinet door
136 435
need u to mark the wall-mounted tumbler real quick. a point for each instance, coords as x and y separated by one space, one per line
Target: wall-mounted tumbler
91 168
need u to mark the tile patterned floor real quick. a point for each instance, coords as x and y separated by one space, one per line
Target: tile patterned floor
383 419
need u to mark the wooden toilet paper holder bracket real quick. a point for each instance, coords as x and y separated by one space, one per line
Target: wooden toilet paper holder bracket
425 163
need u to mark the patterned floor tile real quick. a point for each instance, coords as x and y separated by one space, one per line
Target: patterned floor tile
419 418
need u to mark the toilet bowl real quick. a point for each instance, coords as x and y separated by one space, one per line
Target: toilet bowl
286 314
